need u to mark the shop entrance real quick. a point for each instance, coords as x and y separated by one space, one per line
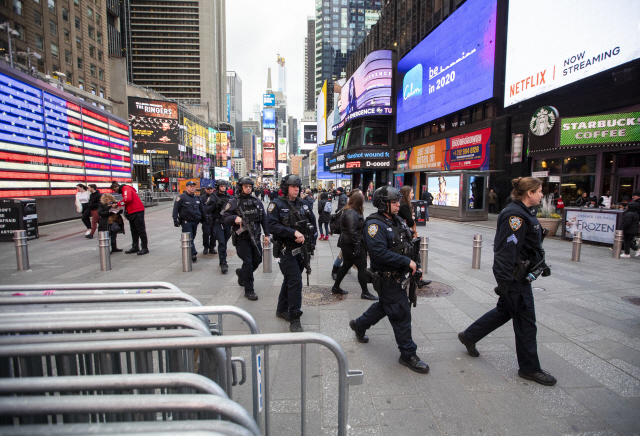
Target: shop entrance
626 183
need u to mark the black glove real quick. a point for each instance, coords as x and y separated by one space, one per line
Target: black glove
176 222
502 289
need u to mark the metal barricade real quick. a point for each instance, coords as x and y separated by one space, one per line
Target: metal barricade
81 298
122 286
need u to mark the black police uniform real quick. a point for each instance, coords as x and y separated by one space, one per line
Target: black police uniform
220 231
250 254
282 222
386 239
208 239
188 212
517 227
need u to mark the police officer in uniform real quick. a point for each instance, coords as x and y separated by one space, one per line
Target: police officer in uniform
221 232
250 251
208 238
388 240
518 255
284 213
188 212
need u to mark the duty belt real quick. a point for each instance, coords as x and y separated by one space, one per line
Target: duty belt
391 274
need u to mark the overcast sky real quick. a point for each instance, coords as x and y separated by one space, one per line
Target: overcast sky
259 30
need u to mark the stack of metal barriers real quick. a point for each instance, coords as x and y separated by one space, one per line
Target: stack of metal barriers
136 358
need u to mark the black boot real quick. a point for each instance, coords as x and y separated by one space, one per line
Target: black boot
205 250
337 290
251 296
368 296
415 364
115 249
133 249
542 377
295 326
471 346
143 251
360 334
334 273
213 251
224 268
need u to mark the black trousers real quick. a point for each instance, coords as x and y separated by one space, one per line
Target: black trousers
138 229
628 239
221 234
290 298
86 215
208 238
394 304
492 208
519 307
251 259
351 259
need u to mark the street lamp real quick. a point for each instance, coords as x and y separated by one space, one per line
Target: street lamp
29 55
10 32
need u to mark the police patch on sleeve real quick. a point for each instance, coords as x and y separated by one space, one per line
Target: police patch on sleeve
271 206
227 206
515 222
372 230
178 198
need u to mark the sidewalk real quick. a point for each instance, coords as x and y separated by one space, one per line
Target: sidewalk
588 337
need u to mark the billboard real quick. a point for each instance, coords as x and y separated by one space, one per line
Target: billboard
595 226
455 63
269 159
324 156
269 137
269 119
258 152
445 190
600 129
310 134
321 110
154 125
268 99
282 149
586 39
368 91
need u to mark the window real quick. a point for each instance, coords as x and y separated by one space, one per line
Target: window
76 4
17 6
39 42
100 55
100 74
67 36
92 51
22 32
52 6
92 70
90 13
80 83
69 78
65 15
102 92
37 18
91 32
99 37
78 43
54 50
53 28
67 57
93 88
80 64
78 25
98 19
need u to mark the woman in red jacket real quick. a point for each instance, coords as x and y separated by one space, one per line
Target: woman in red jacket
135 214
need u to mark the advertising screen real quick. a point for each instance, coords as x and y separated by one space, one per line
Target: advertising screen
324 155
268 99
154 125
310 134
445 190
368 91
600 129
269 158
586 39
269 119
269 137
282 149
49 144
455 64
321 111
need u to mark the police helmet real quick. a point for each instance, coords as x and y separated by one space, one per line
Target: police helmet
220 182
289 180
383 196
245 181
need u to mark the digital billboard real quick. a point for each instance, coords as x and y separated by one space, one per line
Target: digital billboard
310 134
445 190
585 39
321 110
269 137
48 144
455 63
269 159
268 99
368 91
154 125
269 119
324 156
282 149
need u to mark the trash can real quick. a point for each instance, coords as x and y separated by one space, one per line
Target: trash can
18 214
420 212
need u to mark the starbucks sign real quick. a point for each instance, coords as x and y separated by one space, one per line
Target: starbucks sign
543 120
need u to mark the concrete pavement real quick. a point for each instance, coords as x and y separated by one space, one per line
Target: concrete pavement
588 337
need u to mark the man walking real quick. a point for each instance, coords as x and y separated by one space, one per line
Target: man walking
208 238
188 212
135 214
213 209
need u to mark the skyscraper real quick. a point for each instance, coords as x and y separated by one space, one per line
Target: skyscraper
179 50
309 65
234 102
340 27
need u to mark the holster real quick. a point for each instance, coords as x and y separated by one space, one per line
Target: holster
376 281
277 248
234 238
521 269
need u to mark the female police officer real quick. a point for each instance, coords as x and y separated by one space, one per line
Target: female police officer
517 250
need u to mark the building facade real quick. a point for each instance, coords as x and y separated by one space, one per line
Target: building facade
234 106
309 65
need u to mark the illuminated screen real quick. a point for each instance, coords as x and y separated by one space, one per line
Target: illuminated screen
450 69
154 125
445 190
269 119
310 133
324 154
77 144
587 39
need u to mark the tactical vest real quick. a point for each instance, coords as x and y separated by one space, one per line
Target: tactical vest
401 242
250 209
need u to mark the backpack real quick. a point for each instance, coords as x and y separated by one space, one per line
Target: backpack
334 223
327 207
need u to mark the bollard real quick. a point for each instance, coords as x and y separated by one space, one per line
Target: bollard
267 257
424 254
577 246
618 240
185 240
477 250
104 247
22 251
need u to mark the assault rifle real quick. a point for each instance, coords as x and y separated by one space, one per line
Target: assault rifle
307 229
414 279
248 226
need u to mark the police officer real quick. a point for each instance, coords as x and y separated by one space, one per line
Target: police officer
388 240
188 212
284 213
249 250
213 209
517 250
208 239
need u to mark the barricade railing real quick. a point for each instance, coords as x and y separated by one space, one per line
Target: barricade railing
119 286
104 298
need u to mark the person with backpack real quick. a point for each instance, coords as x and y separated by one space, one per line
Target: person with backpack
324 215
630 226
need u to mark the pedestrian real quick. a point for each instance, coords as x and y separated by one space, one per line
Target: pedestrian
630 226
134 212
213 209
559 205
94 201
82 206
324 215
583 200
386 237
110 219
352 245
247 246
342 198
493 202
309 197
429 199
285 213
635 196
188 213
406 212
606 200
517 251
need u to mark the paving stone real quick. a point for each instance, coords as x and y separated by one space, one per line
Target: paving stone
610 407
411 421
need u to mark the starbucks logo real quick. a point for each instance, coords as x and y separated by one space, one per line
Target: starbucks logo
543 120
